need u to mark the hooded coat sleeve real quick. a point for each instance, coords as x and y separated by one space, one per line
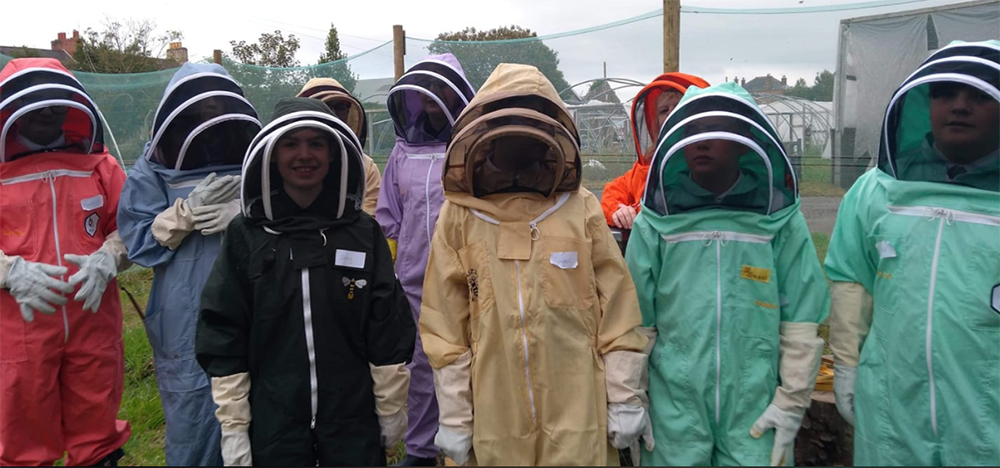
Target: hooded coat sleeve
620 191
444 327
373 183
615 290
223 333
851 266
389 211
621 345
390 334
444 313
643 259
143 197
805 302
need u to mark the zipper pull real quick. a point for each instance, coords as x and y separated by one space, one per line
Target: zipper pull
535 232
312 423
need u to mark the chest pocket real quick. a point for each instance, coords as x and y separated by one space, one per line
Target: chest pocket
352 277
88 216
894 263
476 267
272 285
753 291
18 234
567 274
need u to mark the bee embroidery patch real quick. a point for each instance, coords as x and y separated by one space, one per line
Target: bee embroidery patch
353 284
473 280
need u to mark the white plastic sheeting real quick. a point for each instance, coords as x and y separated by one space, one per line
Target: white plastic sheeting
876 54
800 123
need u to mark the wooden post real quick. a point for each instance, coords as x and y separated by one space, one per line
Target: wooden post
398 49
217 56
671 35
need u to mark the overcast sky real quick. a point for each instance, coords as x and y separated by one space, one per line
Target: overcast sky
714 46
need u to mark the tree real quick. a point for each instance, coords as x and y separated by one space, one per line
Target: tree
266 70
271 50
341 70
800 90
130 46
823 86
479 58
821 90
600 90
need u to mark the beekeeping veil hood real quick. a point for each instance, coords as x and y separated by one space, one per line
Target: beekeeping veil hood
344 184
645 115
434 87
334 95
515 136
33 84
203 120
764 180
907 149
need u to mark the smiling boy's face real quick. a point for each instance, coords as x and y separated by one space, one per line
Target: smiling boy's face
965 122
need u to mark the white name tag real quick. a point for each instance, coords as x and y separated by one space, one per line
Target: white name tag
92 203
350 259
885 250
564 260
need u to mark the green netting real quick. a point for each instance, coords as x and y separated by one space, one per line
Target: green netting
597 70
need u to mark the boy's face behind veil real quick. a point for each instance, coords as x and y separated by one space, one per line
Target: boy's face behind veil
965 122
713 158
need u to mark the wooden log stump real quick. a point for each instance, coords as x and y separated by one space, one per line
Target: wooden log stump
825 438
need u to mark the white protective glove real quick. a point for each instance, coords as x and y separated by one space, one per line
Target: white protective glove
391 384
455 445
213 219
393 428
96 270
213 191
626 424
843 390
32 286
236 448
786 425
232 396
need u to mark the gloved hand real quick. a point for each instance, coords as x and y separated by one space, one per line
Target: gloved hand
786 425
213 219
32 286
626 424
393 427
843 390
455 445
213 191
96 270
236 448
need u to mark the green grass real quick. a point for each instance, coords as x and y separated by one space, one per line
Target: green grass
141 400
817 176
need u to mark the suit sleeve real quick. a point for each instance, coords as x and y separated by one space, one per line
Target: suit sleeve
223 333
615 290
390 334
444 313
373 182
644 263
389 210
143 198
851 266
618 191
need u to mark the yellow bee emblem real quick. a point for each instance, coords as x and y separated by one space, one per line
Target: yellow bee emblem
351 284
